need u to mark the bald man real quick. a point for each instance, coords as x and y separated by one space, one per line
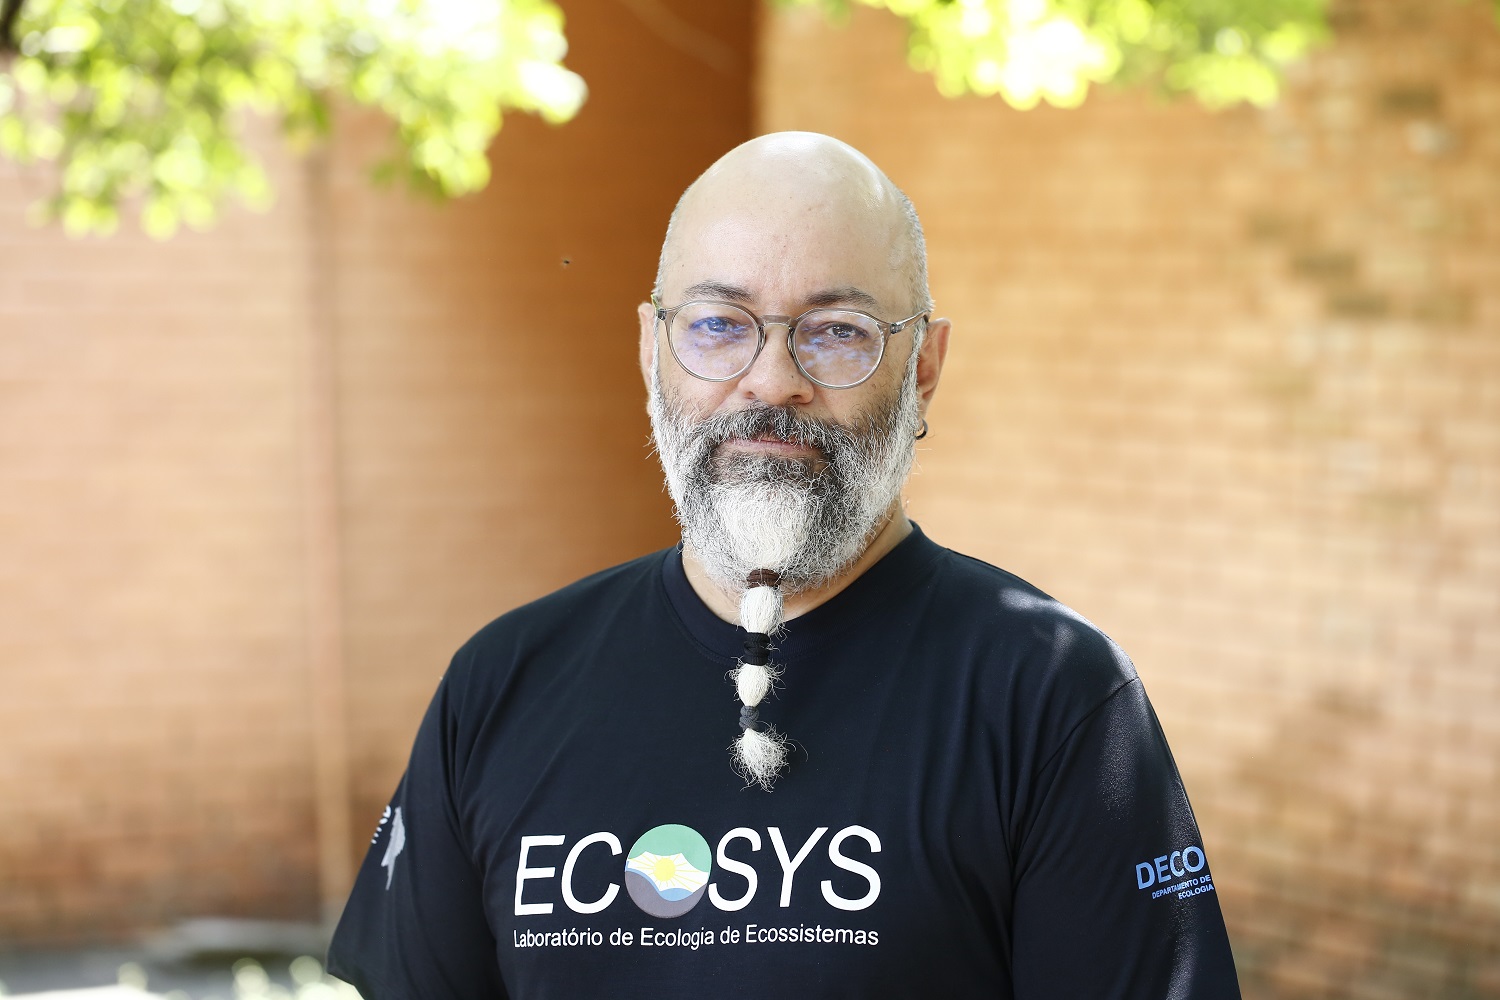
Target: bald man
809 752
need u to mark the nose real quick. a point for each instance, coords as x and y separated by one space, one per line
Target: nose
774 378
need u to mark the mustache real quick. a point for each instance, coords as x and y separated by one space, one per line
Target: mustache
764 420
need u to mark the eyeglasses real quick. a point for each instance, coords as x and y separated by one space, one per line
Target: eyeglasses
836 348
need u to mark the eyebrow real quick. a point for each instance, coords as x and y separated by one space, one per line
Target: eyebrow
842 295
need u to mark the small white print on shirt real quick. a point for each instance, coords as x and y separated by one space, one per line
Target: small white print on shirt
393 847
1181 873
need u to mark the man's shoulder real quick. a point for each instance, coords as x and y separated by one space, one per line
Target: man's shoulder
582 602
1044 642
560 627
985 588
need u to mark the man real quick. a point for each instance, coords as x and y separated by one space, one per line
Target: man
940 783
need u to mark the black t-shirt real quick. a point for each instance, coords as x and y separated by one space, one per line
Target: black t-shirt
982 804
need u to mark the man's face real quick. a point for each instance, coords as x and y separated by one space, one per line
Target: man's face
784 259
771 470
805 505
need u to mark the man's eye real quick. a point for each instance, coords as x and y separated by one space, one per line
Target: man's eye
718 326
836 335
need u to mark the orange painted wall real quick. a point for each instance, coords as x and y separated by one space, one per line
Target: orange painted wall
493 425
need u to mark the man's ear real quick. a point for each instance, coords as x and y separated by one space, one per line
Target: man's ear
647 315
930 359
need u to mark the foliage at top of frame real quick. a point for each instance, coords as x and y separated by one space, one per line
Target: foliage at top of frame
142 99
1221 52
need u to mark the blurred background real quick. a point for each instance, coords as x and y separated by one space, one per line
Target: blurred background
1225 376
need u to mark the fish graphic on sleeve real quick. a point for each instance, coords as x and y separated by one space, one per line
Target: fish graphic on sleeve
393 847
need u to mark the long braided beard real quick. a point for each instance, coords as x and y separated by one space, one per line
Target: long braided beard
764 526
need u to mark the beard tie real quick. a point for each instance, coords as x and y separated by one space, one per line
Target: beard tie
759 753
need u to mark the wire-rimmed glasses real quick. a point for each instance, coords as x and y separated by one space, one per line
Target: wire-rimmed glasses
719 341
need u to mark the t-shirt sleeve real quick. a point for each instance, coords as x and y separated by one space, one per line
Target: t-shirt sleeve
1114 896
414 926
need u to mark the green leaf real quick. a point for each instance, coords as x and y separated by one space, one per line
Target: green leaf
140 102
1221 52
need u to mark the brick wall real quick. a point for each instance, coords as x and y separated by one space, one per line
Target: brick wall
150 624
1230 385
156 468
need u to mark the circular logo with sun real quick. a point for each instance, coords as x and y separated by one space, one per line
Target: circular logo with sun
666 870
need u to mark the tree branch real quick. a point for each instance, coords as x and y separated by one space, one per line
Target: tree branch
10 10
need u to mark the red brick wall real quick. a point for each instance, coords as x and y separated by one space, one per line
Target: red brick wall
156 731
1230 384
152 730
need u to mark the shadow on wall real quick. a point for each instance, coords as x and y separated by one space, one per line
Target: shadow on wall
1347 890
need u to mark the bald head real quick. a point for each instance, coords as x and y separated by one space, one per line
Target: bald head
797 210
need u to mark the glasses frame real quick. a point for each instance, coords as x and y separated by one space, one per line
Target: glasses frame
889 330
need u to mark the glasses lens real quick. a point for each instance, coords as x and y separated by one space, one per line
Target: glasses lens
838 348
713 339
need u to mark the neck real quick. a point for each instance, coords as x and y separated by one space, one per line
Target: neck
726 604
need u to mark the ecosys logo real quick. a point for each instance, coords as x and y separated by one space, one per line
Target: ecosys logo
667 870
670 868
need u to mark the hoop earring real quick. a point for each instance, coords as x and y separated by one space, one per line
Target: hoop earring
923 432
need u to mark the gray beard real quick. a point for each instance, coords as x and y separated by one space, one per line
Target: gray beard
807 520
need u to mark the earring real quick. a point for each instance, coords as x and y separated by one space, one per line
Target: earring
923 432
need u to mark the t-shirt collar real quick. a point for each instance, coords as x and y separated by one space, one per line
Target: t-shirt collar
897 572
